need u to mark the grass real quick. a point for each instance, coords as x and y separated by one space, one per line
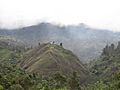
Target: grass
5 54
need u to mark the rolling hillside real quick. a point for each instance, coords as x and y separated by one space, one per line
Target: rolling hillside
48 59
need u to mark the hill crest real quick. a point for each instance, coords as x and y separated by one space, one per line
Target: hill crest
48 59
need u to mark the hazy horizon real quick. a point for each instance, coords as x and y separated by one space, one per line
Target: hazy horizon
58 25
101 14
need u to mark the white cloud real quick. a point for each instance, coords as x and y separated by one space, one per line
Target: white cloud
96 13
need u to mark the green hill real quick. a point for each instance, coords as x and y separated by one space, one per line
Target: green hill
108 63
47 59
10 49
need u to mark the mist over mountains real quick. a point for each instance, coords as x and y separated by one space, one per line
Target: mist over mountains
84 41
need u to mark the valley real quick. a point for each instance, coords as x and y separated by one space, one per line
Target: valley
48 57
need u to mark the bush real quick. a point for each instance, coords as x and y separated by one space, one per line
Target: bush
1 87
16 87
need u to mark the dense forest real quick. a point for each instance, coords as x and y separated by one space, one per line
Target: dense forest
49 66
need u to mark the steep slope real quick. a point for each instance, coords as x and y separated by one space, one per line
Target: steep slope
108 63
10 50
47 59
90 41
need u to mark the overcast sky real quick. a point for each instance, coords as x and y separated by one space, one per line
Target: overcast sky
95 13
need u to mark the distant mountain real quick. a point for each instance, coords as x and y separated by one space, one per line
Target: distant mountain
48 59
84 41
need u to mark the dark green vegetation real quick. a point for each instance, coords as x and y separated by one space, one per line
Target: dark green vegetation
51 67
12 77
108 63
106 69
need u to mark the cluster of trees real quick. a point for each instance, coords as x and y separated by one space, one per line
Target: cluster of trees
13 78
113 84
105 69
109 50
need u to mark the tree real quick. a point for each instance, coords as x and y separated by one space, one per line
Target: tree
39 43
61 44
1 87
74 82
16 87
118 47
112 46
105 50
108 50
60 80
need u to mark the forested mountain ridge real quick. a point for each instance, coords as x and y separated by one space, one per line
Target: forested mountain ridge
108 63
87 42
34 68
13 77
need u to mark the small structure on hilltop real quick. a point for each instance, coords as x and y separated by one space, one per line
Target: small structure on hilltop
39 43
53 42
61 44
31 47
